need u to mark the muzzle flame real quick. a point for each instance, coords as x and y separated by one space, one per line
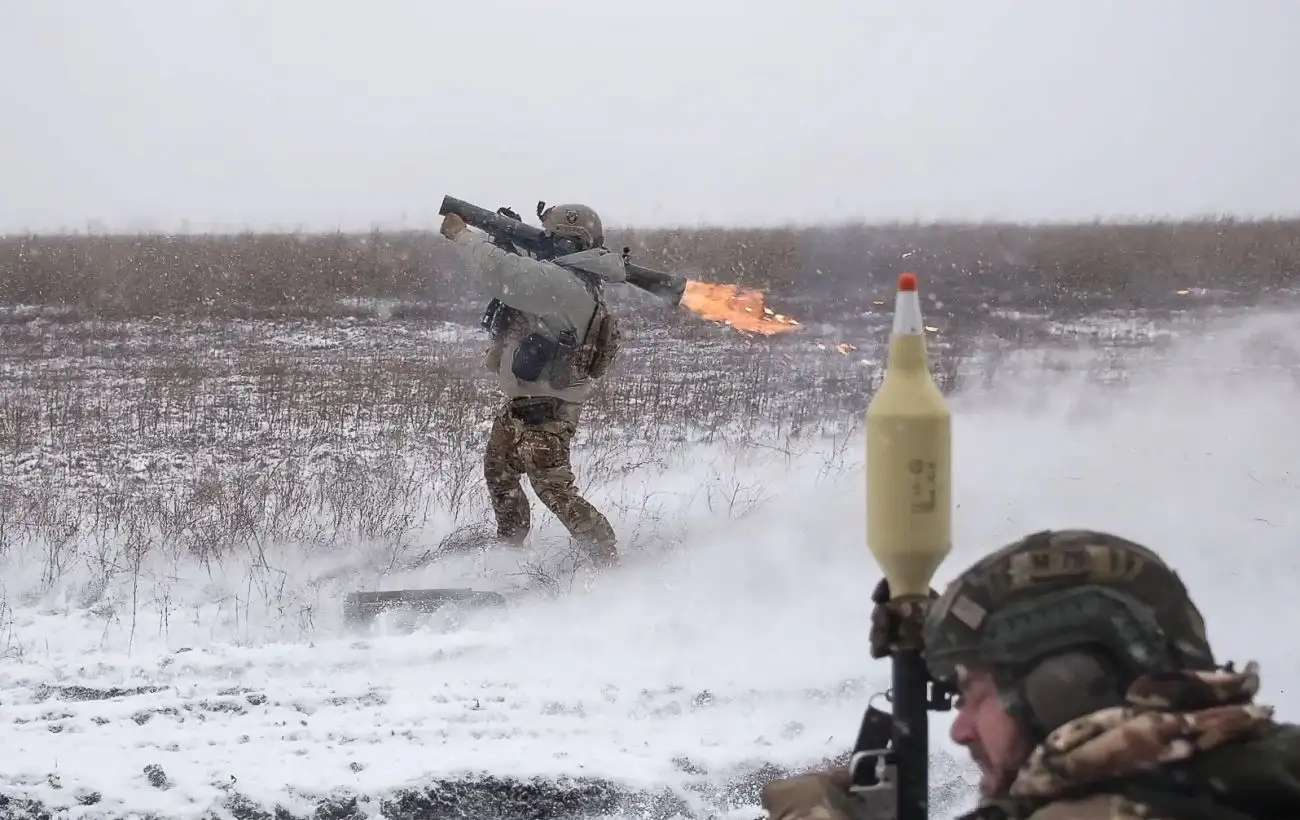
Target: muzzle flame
741 308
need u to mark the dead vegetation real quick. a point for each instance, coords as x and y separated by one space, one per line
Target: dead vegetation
285 275
131 448
208 398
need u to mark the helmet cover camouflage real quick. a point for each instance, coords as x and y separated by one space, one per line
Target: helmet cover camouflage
577 221
1055 591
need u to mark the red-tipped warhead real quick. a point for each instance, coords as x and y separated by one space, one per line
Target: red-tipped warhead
907 307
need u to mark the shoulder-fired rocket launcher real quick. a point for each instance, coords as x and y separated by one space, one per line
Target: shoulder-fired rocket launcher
909 531
548 246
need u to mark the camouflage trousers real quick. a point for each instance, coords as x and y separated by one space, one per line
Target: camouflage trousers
539 449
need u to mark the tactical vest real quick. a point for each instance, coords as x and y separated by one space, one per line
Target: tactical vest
558 359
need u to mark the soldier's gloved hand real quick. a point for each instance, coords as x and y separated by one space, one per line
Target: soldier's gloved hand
886 623
820 795
452 226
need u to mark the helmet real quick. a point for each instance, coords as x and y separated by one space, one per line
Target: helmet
577 221
1065 620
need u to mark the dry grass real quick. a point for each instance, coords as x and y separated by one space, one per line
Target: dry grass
124 444
310 274
208 398
1111 258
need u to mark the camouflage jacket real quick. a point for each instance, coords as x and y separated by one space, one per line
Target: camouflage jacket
551 297
1187 746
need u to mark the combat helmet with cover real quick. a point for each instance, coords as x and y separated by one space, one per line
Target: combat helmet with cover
577 221
1065 620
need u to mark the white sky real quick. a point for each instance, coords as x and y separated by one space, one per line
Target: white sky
323 113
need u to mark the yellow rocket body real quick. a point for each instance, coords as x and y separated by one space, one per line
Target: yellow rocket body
909 458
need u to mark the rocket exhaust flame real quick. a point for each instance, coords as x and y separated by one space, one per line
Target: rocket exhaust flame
741 308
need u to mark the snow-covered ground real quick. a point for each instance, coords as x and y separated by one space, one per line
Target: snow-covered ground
734 639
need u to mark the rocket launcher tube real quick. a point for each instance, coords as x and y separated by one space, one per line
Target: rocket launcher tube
909 458
667 286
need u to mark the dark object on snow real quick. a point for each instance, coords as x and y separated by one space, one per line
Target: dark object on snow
363 607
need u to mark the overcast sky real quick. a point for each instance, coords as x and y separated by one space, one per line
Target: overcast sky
325 113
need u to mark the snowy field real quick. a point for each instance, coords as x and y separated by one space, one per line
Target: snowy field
184 506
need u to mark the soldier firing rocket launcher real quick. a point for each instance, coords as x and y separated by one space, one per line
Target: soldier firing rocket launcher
742 308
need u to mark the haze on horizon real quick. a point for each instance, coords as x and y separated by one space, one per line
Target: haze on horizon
323 114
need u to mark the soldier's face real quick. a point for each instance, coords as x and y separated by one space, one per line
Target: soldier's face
989 734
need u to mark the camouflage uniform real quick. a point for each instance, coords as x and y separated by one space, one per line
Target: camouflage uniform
824 795
1160 732
1187 744
552 339
541 452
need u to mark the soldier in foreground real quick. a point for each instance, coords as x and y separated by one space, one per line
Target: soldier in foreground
1088 690
552 337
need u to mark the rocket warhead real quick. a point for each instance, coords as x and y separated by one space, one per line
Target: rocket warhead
909 457
907 307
